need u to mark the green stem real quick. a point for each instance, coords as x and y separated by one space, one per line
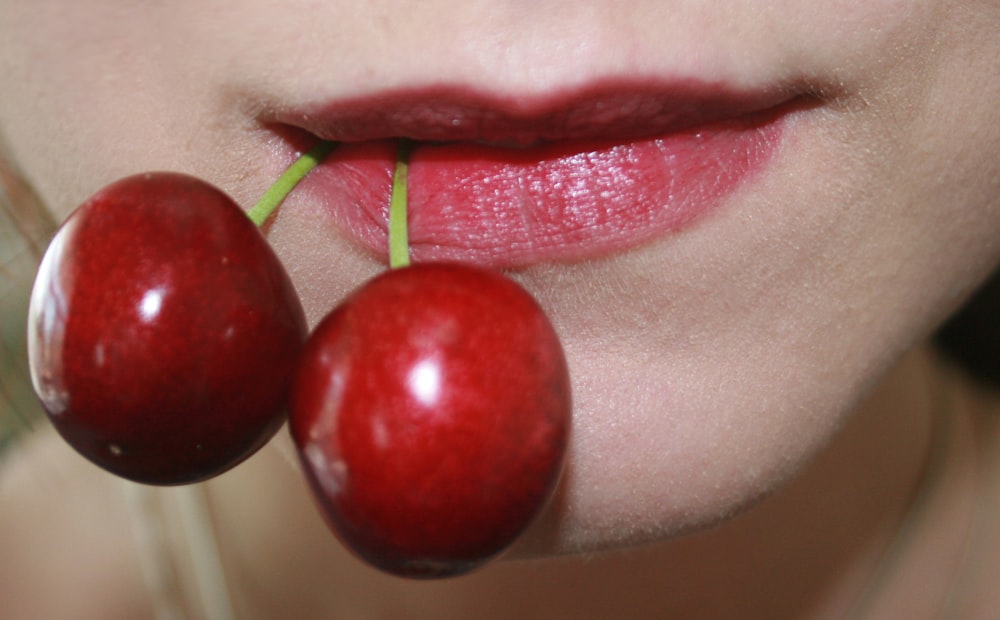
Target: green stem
287 181
399 242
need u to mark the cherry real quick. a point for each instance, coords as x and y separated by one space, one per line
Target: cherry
163 331
431 412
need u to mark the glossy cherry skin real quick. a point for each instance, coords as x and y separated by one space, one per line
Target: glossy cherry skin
163 331
431 412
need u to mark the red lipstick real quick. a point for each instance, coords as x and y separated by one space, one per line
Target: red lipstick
508 183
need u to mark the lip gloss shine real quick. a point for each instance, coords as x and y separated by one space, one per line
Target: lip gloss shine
550 200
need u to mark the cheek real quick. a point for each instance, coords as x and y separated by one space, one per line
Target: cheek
83 87
112 91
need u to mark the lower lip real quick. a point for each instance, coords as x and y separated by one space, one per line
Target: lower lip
560 202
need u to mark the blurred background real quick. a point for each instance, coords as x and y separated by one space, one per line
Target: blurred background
24 232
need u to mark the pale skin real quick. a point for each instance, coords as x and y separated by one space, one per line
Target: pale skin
764 373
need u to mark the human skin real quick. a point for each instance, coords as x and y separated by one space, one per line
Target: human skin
710 365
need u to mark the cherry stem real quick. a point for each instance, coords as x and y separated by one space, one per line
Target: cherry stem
399 241
288 180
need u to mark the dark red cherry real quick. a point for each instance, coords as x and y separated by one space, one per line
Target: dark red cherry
163 331
431 413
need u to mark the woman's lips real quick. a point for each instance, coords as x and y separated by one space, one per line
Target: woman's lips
481 200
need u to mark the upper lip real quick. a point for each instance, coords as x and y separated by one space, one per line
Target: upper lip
616 110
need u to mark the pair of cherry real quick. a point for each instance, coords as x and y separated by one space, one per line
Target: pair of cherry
430 408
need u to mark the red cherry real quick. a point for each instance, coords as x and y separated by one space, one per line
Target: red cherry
163 331
431 412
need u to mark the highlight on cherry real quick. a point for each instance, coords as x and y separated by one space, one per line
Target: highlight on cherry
430 408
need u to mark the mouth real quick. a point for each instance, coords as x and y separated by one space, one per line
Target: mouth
510 183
